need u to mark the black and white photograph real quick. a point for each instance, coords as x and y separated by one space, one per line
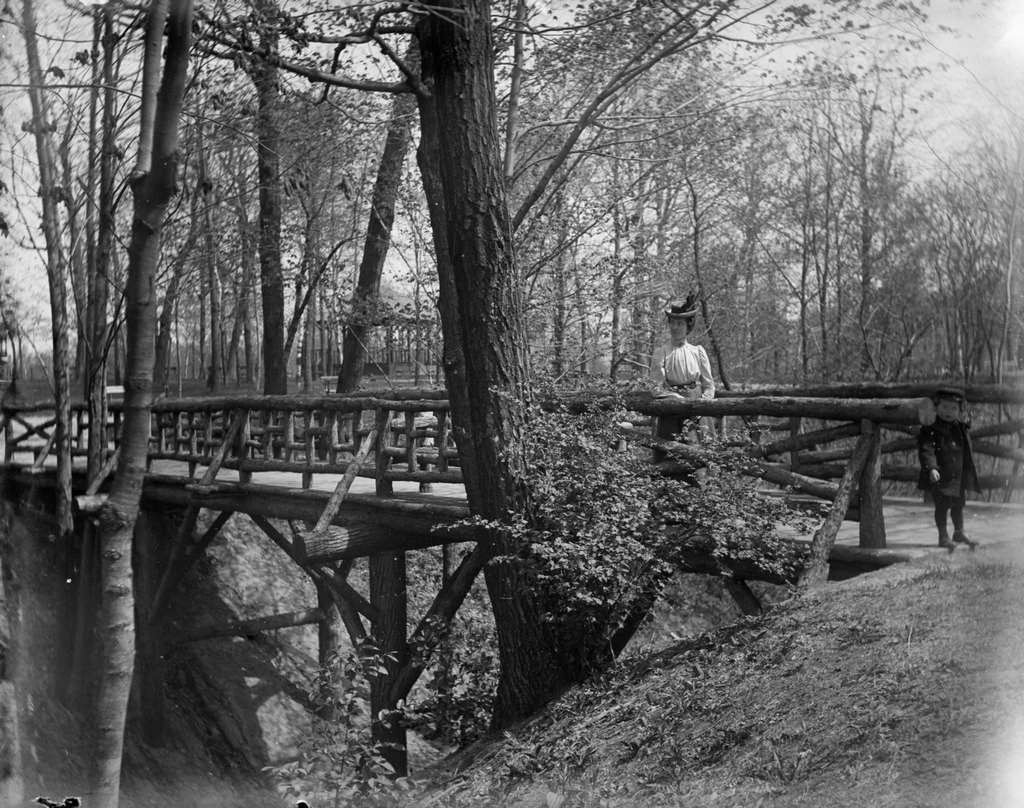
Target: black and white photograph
512 404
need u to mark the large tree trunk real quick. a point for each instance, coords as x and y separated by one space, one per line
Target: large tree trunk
378 238
481 315
153 185
275 359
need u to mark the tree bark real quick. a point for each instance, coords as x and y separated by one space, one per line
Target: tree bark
97 318
481 317
265 76
378 238
388 595
153 185
11 783
56 266
213 284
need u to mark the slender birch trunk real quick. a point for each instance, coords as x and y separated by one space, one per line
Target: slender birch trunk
153 185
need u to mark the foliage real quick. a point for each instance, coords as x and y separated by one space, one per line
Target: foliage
595 538
459 682
338 758
728 519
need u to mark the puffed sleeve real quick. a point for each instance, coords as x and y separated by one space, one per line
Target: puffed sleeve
707 382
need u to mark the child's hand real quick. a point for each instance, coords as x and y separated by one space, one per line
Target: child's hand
933 475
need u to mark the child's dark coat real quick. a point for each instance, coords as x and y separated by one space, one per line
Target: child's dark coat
940 446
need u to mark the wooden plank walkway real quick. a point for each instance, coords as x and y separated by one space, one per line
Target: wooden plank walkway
910 531
908 520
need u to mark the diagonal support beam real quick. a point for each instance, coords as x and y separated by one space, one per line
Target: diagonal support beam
351 472
432 627
229 440
294 550
183 555
816 569
349 613
44 452
246 628
343 589
171 576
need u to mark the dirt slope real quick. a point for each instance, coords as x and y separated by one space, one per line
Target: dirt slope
900 688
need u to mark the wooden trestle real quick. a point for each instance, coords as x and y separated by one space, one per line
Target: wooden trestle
392 439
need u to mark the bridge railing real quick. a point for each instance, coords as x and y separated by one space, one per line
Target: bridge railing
302 435
310 436
321 435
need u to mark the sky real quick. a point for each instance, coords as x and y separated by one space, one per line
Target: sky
982 83
987 59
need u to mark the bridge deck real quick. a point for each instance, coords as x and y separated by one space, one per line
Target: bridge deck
909 526
908 520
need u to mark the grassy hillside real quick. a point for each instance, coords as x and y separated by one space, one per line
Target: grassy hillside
901 688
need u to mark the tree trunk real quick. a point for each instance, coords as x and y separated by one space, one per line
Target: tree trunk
275 360
481 316
56 266
11 785
378 238
153 185
97 316
212 274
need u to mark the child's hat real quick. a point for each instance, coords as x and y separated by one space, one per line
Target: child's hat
954 393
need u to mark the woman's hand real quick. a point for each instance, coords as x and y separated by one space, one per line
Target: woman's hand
934 475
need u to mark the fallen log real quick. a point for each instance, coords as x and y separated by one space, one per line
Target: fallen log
881 410
805 440
980 447
247 628
975 393
697 456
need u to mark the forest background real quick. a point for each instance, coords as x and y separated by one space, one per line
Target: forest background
842 189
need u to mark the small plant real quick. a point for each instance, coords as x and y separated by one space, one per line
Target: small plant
339 758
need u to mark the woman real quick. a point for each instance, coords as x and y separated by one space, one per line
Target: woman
684 370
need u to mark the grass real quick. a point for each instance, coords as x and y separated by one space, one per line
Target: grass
900 688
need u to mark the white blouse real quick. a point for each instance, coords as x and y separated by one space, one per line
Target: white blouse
688 366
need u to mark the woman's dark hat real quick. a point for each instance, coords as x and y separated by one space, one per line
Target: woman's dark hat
682 309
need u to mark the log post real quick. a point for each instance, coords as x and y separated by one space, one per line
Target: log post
816 570
388 596
309 444
382 460
8 438
242 450
872 520
794 454
327 630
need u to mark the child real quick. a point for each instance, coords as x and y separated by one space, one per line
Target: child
947 464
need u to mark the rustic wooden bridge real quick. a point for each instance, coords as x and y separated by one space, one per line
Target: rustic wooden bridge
376 476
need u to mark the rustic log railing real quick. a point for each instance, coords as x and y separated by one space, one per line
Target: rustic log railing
322 435
304 435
